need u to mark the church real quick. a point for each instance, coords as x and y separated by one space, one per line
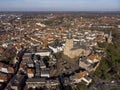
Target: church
71 50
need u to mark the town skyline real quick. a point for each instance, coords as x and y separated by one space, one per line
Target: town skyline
59 5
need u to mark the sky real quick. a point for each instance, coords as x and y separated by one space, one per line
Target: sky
59 5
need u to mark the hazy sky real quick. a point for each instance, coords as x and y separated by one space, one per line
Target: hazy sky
59 5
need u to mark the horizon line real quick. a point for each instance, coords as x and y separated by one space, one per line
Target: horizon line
57 11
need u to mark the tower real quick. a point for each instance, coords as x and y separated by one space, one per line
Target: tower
69 41
68 44
110 37
37 67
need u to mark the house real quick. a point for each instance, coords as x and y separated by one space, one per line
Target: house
35 82
2 49
6 69
30 63
52 83
40 24
83 76
26 57
30 72
87 80
10 69
5 45
100 38
87 65
1 65
3 77
22 67
83 63
80 75
93 58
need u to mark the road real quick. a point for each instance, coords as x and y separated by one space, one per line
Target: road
16 69
104 84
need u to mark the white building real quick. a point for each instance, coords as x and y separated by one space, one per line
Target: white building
30 75
83 76
56 49
45 73
43 53
4 70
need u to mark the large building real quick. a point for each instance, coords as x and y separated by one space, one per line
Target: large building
72 50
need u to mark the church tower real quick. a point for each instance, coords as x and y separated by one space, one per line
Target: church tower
110 37
68 44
